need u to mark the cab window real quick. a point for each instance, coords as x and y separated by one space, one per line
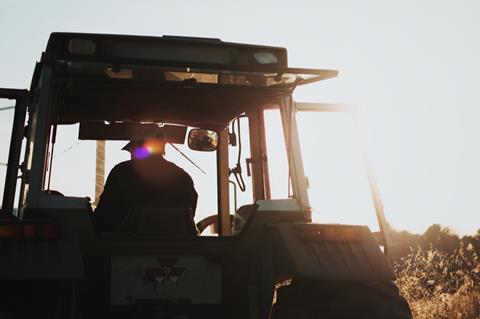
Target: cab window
73 167
338 185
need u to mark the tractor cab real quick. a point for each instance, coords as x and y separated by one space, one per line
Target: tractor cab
210 100
120 88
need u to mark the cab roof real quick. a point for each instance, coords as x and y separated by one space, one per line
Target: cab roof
191 81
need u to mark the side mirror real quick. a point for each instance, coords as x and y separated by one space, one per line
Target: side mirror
202 140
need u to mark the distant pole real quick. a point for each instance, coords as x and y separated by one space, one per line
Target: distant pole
99 170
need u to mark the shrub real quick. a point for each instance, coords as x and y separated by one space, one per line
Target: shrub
440 284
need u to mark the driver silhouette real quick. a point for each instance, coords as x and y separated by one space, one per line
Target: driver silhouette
148 179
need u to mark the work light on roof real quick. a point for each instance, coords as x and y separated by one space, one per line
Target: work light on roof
79 46
265 58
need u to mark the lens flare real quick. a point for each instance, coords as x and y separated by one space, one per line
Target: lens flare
154 146
142 152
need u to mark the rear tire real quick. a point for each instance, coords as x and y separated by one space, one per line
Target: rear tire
340 300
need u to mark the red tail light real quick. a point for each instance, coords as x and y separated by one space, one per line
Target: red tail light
29 230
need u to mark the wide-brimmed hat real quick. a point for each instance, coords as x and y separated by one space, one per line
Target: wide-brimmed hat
133 144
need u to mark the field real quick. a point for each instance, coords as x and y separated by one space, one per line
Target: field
441 284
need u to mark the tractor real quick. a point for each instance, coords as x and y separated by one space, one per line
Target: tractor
259 255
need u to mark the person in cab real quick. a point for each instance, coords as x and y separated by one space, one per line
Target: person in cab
147 180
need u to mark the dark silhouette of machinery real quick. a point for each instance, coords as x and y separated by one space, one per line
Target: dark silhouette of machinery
267 260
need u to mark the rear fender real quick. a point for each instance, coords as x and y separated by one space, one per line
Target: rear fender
327 252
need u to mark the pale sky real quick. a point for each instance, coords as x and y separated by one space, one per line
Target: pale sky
410 66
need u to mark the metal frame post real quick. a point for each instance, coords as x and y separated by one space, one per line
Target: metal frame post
294 154
255 117
21 97
39 137
223 185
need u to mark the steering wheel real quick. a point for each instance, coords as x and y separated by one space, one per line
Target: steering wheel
211 220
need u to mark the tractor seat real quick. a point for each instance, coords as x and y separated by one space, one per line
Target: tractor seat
159 221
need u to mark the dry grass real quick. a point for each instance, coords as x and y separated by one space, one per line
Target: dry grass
441 285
